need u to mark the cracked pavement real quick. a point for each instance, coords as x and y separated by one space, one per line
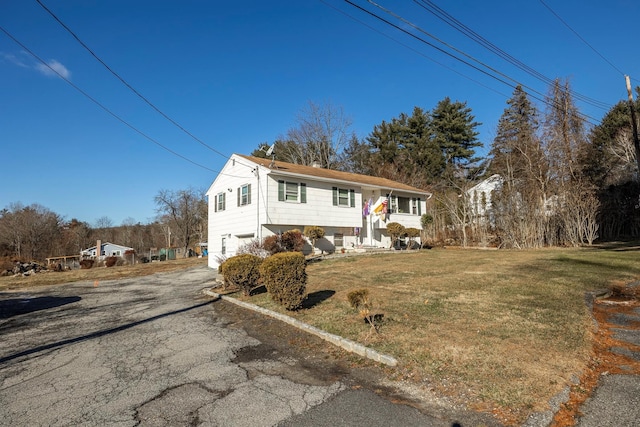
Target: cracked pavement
154 351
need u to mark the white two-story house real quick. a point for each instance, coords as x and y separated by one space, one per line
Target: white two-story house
253 198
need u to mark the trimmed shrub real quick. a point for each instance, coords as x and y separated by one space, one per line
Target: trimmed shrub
314 233
285 277
110 261
242 271
86 263
412 233
358 298
395 230
292 241
289 241
272 244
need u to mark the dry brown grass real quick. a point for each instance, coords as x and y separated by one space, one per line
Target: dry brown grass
504 331
98 273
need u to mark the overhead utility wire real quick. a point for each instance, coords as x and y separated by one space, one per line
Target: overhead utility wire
580 37
413 50
544 100
541 98
114 115
441 14
426 42
127 84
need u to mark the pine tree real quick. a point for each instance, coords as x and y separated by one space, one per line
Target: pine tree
516 152
453 131
517 156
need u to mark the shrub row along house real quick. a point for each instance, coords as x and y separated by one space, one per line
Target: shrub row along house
253 198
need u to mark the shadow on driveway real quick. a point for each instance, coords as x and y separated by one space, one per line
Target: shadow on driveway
98 334
17 306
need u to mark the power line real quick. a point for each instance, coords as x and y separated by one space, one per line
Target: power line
95 101
492 69
412 49
172 121
541 97
580 37
441 14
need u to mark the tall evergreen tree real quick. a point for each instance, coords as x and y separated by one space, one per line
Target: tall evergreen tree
454 131
609 158
356 157
517 156
609 164
516 152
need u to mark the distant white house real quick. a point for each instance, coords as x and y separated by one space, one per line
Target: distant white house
106 249
253 198
480 198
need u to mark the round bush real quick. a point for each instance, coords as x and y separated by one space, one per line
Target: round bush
285 277
242 271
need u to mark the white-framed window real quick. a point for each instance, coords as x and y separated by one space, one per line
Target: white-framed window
293 192
338 240
404 205
393 204
221 202
344 197
244 195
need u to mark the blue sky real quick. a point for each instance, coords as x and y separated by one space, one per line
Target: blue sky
236 74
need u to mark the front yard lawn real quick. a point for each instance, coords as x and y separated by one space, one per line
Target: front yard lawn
503 331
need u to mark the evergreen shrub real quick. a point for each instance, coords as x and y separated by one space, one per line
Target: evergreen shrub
285 277
242 271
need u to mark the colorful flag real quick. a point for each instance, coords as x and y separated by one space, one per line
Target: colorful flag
379 209
365 210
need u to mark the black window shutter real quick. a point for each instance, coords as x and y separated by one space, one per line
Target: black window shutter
303 193
335 196
352 198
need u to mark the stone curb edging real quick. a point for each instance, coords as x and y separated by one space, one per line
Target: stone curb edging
348 345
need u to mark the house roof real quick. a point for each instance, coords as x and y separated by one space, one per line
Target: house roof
284 168
104 244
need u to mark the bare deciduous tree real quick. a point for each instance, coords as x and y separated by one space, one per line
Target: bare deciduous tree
185 212
31 231
321 133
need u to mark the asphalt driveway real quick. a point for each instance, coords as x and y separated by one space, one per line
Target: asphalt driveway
154 351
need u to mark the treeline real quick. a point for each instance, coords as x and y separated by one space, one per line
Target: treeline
34 232
556 178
